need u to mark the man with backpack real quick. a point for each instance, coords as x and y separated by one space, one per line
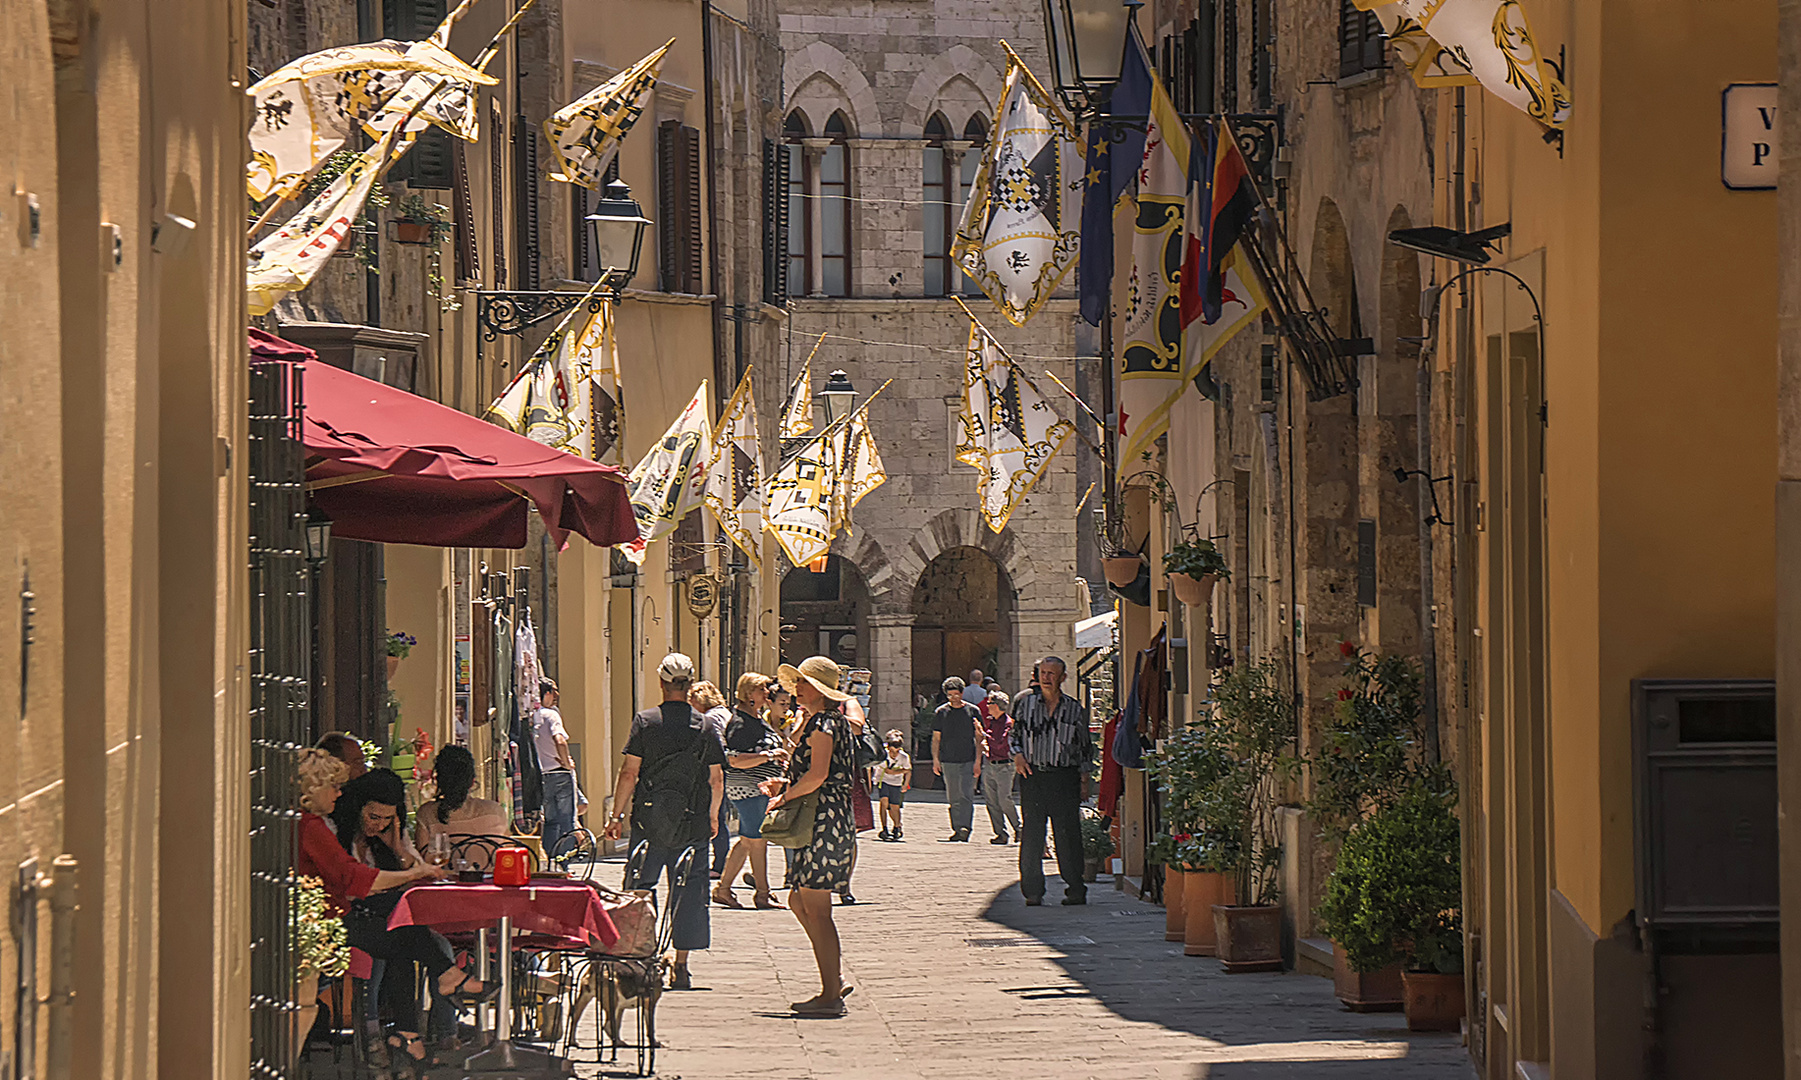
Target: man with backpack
673 781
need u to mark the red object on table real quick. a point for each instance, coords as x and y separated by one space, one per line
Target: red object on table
512 866
569 909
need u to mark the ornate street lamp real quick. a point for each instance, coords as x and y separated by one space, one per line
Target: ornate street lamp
318 537
619 225
1086 40
837 396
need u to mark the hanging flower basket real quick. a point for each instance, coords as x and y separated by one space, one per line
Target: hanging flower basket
1121 570
1191 590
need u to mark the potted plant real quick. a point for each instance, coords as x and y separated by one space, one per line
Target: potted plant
1369 755
1396 895
419 222
320 949
1193 567
400 645
1162 851
1097 844
1188 767
1253 720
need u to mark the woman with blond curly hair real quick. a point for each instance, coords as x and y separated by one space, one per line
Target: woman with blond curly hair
364 896
709 704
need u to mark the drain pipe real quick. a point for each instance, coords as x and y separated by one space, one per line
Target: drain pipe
66 874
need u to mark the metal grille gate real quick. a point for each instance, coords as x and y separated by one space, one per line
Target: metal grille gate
279 660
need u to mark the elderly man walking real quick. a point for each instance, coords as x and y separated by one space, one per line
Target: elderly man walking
1052 748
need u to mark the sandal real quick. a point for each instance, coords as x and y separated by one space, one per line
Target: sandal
821 1006
411 1057
767 902
724 898
457 994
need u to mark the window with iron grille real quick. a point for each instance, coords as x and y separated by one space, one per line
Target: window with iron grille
678 202
775 223
1359 40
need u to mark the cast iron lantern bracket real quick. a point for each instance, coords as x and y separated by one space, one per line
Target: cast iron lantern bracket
513 313
1259 136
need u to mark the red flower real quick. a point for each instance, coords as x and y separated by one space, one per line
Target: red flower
1344 695
1347 648
1182 838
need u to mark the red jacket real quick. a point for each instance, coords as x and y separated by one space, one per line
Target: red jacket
321 856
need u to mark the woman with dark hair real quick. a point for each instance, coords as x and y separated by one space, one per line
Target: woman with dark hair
455 813
364 891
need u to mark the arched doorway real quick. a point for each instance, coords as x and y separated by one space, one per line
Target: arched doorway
826 614
962 621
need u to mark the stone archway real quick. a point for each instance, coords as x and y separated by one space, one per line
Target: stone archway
821 59
963 622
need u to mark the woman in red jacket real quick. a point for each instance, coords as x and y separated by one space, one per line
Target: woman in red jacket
364 896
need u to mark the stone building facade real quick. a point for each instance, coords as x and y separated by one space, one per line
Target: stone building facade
886 113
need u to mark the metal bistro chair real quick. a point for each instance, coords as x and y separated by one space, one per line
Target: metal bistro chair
636 975
576 853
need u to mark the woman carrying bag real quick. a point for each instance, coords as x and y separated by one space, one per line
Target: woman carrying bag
810 813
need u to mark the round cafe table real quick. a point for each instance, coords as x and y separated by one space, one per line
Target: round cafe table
569 909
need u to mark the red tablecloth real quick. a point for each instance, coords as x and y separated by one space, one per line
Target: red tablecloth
563 908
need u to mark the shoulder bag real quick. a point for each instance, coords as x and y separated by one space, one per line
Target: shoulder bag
791 824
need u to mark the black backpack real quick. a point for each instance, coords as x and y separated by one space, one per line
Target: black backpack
673 798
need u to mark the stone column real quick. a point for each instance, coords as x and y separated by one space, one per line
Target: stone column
813 150
954 151
891 659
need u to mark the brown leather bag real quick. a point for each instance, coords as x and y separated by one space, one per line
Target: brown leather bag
634 915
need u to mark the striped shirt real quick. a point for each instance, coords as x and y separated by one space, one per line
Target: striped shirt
1051 738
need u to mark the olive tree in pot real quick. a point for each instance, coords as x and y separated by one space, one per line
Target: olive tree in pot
1194 567
1370 753
1396 896
1188 767
1253 719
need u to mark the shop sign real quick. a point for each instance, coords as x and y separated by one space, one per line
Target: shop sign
1748 142
703 594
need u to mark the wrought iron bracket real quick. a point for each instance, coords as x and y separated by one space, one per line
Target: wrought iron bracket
1259 135
513 313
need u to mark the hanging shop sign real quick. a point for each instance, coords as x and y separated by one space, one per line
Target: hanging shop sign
1748 158
703 595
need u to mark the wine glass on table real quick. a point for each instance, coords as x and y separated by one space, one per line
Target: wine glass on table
437 851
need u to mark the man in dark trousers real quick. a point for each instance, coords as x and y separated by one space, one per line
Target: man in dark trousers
956 730
1052 748
672 781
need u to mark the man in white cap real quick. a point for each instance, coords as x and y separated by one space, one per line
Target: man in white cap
673 780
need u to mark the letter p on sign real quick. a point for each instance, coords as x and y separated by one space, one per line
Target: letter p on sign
1748 138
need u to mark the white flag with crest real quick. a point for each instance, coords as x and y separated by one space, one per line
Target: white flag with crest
1006 429
671 479
735 474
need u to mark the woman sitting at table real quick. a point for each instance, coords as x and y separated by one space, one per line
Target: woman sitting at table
364 895
454 814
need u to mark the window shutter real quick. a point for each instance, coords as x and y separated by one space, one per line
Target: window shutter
412 20
497 178
429 163
466 264
525 202
578 240
775 223
1359 40
678 205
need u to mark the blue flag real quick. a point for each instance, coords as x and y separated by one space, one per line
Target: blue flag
1112 169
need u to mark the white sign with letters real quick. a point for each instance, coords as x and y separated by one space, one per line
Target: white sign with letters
1748 144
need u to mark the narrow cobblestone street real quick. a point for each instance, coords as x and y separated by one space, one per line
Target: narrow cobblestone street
955 978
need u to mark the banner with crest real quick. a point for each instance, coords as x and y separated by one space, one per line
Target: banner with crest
584 134
568 394
735 473
1475 42
671 479
1006 429
1021 229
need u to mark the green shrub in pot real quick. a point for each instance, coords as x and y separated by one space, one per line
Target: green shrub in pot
1196 558
1397 891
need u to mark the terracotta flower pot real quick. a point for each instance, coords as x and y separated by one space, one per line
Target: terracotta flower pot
411 232
1365 991
1175 904
1433 1002
393 666
1121 570
1205 889
1193 591
1250 938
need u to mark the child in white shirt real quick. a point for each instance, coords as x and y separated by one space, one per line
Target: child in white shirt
893 777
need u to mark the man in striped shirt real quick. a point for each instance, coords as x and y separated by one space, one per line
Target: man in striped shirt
1052 749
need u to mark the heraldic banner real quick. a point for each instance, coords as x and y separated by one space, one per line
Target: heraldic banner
735 474
1007 428
670 480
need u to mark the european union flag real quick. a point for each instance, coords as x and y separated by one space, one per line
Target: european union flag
1112 170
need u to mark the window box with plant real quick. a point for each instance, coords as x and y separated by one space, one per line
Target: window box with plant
1371 758
1194 567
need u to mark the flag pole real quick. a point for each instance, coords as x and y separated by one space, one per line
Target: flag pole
1086 439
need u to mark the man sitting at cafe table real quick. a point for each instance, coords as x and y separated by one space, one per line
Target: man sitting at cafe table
673 779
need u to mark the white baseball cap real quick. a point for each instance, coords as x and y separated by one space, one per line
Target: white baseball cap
676 668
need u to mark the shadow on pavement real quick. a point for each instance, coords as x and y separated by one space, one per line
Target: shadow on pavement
1112 951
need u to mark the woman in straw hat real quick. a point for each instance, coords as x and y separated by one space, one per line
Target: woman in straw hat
823 761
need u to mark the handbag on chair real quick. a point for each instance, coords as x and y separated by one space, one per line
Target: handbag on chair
791 824
634 915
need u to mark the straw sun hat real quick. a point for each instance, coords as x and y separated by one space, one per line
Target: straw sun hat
821 672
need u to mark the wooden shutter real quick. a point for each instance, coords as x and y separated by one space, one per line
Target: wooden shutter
430 163
678 204
1359 40
466 264
775 223
525 203
412 20
497 178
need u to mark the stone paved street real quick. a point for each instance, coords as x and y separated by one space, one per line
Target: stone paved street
955 978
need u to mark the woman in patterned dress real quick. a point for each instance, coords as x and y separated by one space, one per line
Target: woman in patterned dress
823 761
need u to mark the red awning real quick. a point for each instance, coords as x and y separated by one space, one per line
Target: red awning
390 466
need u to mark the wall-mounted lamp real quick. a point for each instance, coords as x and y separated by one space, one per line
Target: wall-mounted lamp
1437 516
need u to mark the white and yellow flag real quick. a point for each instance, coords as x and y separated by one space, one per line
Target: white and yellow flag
1151 369
1006 429
811 495
584 134
860 466
671 479
1475 42
288 259
735 474
1021 229
568 394
305 110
